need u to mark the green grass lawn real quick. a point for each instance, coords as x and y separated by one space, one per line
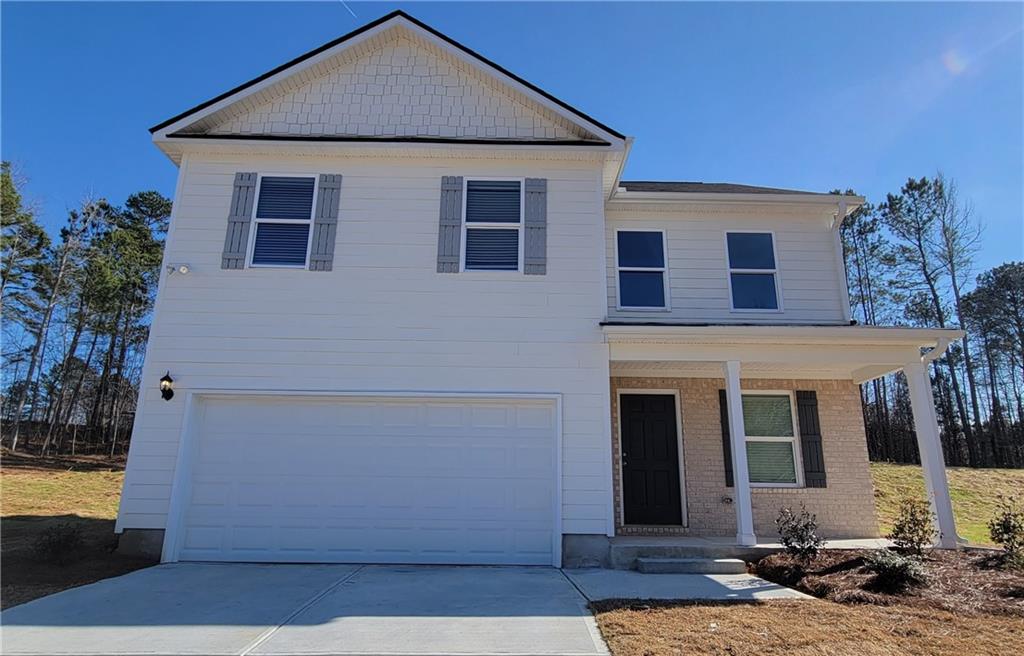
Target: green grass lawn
974 493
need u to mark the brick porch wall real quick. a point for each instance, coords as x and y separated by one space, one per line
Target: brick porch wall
845 508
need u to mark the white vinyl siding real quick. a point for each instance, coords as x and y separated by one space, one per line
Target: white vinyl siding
773 449
380 320
698 279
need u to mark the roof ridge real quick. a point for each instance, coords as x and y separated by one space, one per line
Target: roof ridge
398 13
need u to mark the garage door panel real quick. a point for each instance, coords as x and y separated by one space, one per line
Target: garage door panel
359 480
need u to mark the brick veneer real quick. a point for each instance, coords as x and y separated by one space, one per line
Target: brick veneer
845 508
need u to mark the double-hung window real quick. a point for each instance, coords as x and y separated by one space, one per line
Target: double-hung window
773 451
283 221
753 274
642 272
493 227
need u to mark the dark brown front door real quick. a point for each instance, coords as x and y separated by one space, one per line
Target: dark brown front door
650 460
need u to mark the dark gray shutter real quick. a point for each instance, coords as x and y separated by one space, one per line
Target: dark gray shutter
810 439
449 233
535 246
723 413
325 223
236 242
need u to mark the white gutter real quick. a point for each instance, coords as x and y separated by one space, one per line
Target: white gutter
840 334
842 211
940 347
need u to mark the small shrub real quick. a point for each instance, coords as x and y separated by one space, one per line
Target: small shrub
59 544
913 531
1006 528
894 571
799 533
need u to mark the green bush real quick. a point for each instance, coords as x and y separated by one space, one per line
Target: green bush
913 531
1006 528
894 571
799 533
59 544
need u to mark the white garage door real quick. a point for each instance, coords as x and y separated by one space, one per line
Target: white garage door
373 480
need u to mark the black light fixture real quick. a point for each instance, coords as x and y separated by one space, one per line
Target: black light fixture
165 386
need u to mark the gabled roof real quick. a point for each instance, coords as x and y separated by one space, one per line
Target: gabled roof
601 133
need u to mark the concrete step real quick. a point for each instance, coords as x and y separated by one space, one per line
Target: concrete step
691 566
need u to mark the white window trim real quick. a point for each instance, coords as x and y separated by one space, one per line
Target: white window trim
798 462
776 275
493 226
667 307
254 222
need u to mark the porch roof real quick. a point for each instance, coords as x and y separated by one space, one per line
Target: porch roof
858 353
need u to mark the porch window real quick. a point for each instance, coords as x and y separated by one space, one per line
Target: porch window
642 273
753 274
771 439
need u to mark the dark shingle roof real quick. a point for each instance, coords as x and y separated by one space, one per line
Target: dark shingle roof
704 188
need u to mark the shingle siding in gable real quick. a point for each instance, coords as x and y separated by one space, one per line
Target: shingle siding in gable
401 89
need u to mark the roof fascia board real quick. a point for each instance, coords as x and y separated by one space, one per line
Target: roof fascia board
834 335
662 197
258 84
161 131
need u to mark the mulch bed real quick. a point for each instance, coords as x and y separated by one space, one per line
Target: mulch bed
969 581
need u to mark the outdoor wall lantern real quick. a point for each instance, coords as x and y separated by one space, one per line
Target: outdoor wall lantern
166 384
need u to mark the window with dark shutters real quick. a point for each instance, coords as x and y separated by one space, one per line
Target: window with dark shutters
493 226
283 221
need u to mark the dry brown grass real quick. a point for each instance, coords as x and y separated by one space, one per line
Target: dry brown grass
38 493
801 628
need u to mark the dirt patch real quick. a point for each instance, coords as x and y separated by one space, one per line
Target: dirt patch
40 493
815 627
20 462
968 582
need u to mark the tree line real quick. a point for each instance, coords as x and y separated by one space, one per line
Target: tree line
910 261
75 315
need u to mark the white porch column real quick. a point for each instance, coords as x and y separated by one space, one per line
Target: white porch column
741 479
926 426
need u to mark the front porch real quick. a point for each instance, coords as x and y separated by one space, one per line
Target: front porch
624 551
687 469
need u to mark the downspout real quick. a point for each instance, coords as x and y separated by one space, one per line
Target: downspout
844 290
935 353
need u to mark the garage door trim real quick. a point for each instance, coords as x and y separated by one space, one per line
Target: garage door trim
181 486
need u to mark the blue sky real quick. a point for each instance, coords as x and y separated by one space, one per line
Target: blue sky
810 96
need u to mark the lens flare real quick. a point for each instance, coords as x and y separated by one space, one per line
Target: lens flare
954 62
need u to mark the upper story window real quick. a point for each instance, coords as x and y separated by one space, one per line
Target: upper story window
283 221
492 230
771 439
642 271
753 275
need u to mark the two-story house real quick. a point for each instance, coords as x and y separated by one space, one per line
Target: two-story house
411 313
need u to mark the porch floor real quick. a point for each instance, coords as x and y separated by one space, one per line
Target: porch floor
691 541
626 549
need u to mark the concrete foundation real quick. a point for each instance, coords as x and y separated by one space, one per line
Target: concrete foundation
142 542
586 550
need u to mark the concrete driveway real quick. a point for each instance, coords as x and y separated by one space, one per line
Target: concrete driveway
201 608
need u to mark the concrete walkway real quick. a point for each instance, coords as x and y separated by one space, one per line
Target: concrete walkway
277 610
